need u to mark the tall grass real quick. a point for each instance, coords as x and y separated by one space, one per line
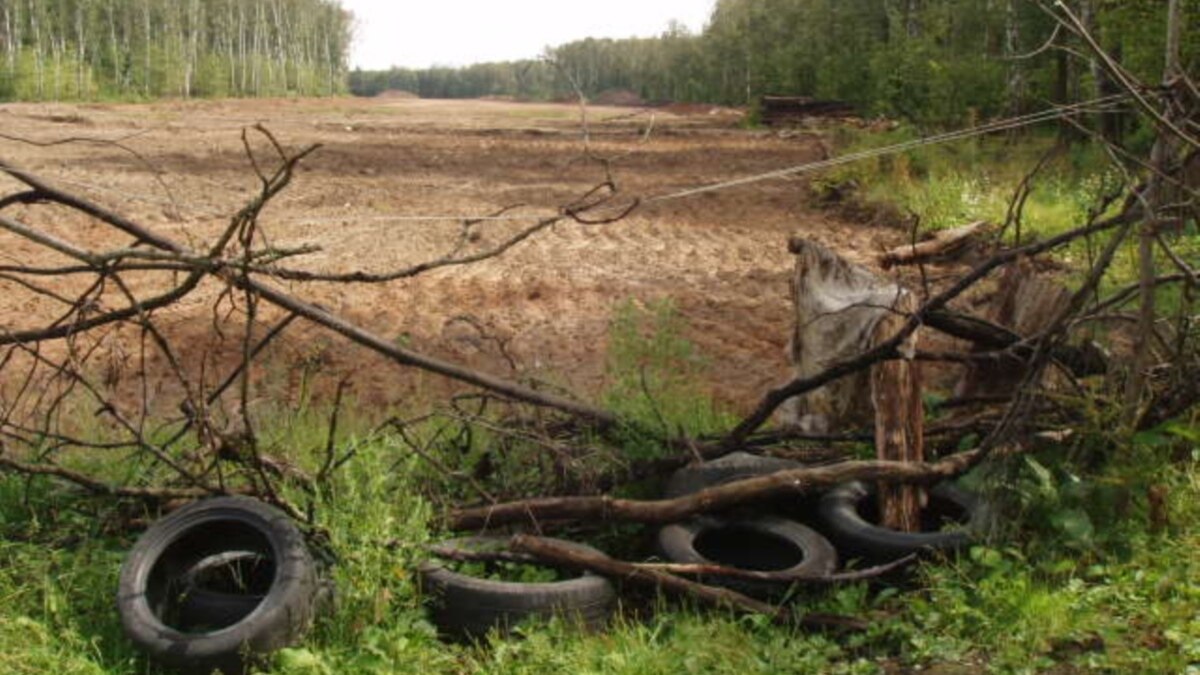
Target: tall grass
944 186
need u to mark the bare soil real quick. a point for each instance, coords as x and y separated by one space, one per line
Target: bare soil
386 163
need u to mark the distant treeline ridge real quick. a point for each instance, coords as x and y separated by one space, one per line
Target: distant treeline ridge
924 60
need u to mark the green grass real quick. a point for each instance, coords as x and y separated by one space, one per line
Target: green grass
960 182
953 184
1018 607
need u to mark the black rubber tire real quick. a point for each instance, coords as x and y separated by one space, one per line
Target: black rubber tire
845 524
463 606
204 603
154 616
730 467
782 546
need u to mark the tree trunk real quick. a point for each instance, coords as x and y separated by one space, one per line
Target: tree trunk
1111 123
10 45
899 421
1016 68
1160 161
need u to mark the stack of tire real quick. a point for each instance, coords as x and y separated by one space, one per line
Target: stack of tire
794 538
750 540
803 539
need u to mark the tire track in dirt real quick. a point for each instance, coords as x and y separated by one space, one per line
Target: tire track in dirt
720 258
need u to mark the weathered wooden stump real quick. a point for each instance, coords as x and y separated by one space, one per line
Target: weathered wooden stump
842 310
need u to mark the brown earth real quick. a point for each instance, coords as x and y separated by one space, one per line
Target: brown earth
720 257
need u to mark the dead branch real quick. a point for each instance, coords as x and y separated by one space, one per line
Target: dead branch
722 497
1127 82
781 577
246 283
507 556
1083 361
569 557
97 487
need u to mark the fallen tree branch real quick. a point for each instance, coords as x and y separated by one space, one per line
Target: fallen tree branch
459 555
1082 361
274 296
721 497
97 487
782 577
570 557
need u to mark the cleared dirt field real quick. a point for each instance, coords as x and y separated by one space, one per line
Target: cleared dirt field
385 191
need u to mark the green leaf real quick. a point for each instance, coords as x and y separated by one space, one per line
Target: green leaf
300 661
1045 479
1185 431
1151 439
1075 524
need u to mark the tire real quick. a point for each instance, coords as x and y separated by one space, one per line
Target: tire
842 512
463 606
231 630
731 467
765 543
220 589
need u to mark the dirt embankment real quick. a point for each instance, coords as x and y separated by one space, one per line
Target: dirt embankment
382 193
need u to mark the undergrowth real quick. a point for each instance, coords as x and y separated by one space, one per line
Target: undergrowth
1081 577
953 184
948 185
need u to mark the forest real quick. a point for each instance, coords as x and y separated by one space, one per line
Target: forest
92 49
929 61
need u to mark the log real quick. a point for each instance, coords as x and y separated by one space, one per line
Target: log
789 109
943 246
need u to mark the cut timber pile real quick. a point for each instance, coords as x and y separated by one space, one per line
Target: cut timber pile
781 110
943 246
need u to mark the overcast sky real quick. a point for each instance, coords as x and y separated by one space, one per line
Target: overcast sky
420 33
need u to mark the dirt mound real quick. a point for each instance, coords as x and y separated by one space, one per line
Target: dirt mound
686 109
396 94
619 97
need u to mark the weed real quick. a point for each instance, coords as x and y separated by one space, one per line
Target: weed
652 371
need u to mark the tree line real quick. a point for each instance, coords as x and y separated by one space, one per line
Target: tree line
931 61
87 49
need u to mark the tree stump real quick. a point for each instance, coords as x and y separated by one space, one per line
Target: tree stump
1025 304
842 310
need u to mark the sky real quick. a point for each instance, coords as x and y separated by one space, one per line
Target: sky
421 33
